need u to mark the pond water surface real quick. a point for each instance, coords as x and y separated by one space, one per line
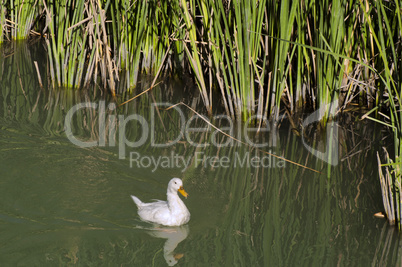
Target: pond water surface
64 204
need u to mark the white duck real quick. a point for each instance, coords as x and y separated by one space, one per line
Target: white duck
172 212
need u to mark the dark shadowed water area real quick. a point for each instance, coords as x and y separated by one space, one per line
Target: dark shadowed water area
70 159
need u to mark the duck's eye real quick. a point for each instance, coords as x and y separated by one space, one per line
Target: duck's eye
175 182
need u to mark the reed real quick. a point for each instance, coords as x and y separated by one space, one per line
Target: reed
128 31
196 47
16 19
391 77
261 66
260 57
3 23
65 42
232 45
142 37
78 44
22 13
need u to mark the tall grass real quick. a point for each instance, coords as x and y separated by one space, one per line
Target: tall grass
3 23
271 55
17 18
22 14
237 56
142 36
78 47
260 57
128 32
389 51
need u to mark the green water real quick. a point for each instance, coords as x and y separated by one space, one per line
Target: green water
61 204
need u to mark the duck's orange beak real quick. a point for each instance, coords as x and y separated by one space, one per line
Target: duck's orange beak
178 256
184 193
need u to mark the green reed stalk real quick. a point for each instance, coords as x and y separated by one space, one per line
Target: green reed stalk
330 36
130 26
76 31
22 14
262 56
141 32
67 41
188 12
284 31
391 76
235 53
3 23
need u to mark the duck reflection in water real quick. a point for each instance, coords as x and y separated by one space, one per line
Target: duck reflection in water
174 236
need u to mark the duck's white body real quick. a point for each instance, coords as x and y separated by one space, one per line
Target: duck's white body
172 212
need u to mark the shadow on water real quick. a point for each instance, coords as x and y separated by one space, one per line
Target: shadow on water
62 204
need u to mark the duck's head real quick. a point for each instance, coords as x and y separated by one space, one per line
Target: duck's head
176 184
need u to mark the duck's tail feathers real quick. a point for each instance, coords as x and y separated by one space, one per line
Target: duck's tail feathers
137 201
